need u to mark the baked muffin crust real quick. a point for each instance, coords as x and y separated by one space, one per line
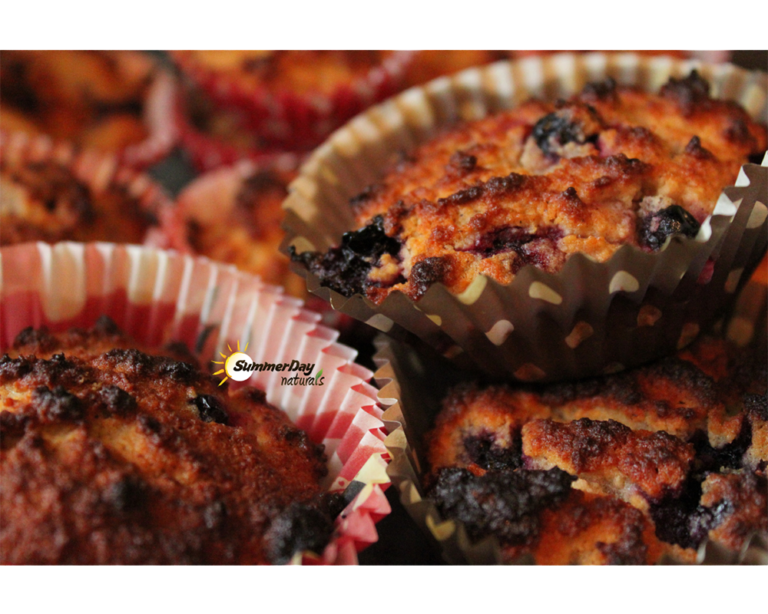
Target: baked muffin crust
659 484
112 454
48 201
611 166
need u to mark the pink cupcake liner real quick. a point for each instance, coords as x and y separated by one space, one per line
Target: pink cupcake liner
158 119
291 120
159 296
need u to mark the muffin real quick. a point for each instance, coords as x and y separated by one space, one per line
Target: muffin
234 215
116 454
110 100
167 302
52 194
625 469
603 271
610 166
252 101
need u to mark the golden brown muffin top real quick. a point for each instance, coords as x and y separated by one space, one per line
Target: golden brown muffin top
48 201
301 72
611 166
113 454
680 442
244 228
91 98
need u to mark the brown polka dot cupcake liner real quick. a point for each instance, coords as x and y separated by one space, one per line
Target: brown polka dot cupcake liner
159 296
413 401
292 120
101 171
590 317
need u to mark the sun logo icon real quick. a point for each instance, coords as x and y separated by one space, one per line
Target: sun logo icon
229 363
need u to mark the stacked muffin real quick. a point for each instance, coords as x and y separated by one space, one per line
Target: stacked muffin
582 240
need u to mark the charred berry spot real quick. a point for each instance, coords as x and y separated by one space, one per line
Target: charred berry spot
498 186
300 527
210 409
15 368
539 248
117 400
674 220
427 272
680 520
57 404
629 549
729 455
738 132
461 163
178 371
557 129
694 148
483 451
756 405
462 197
134 360
504 503
126 495
40 338
368 194
599 90
688 92
371 240
345 268
149 425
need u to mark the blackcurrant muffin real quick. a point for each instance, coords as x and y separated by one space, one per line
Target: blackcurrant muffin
610 166
234 215
621 469
112 453
110 100
78 197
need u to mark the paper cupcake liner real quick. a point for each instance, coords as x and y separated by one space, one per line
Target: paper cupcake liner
158 296
586 319
100 170
158 120
412 388
291 120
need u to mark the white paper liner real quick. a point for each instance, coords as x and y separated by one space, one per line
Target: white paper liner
412 387
529 328
158 296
